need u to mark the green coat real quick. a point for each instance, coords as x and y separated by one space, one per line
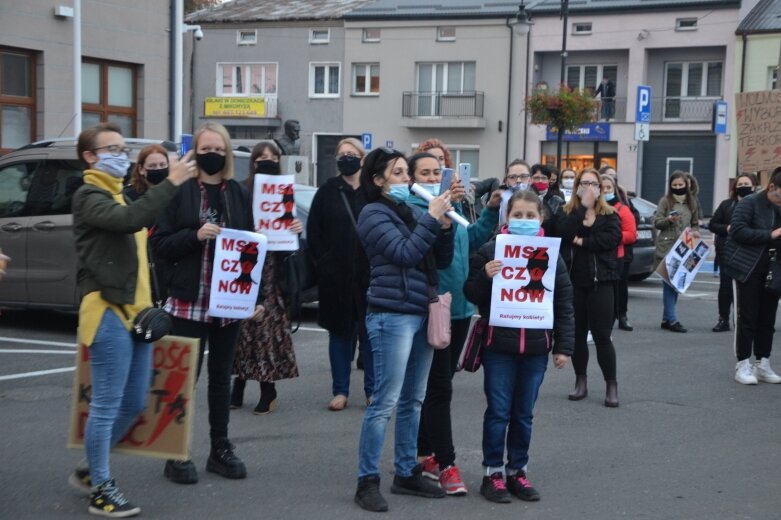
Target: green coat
669 232
467 241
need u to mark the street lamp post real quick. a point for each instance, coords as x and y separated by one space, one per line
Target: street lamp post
520 26
559 131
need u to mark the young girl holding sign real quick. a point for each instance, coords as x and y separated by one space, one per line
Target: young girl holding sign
515 360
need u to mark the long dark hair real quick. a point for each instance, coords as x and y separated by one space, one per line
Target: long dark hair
690 200
374 166
750 176
257 151
412 162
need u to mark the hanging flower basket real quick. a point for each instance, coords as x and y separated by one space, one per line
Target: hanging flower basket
565 109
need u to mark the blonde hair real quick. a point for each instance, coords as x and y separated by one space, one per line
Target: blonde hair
355 143
601 207
217 128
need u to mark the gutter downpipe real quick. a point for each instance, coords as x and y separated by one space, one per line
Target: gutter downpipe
509 96
172 70
526 92
743 61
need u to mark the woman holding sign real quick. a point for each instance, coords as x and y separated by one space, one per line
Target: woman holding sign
515 359
590 232
676 211
405 247
185 236
265 347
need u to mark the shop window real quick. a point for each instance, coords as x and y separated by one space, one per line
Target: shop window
17 99
109 94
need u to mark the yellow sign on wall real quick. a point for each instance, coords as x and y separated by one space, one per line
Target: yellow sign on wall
234 107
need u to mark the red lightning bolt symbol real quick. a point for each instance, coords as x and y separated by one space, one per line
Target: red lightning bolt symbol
749 152
172 386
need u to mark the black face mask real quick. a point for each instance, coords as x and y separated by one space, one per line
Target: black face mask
267 166
348 166
156 176
679 191
744 191
211 163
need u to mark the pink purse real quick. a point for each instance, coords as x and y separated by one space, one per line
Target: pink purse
439 321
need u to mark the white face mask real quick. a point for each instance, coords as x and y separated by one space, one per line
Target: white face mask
567 183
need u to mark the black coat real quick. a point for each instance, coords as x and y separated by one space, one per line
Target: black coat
176 233
753 220
720 221
600 247
342 267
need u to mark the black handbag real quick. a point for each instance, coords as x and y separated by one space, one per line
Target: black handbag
151 324
773 278
298 275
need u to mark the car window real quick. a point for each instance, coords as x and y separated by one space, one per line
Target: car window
304 197
53 184
14 186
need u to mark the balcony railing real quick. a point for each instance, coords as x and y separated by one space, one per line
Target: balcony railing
682 109
442 104
612 110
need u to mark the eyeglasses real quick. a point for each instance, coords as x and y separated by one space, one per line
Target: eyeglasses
589 184
114 149
514 177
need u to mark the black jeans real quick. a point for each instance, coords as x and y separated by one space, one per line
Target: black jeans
756 315
435 434
222 347
623 288
595 311
725 295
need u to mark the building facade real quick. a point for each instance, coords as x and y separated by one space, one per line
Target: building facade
125 68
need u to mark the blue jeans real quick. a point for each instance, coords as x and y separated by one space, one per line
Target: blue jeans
511 385
670 300
340 353
121 377
402 359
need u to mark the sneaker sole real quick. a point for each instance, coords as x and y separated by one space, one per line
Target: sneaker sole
749 382
114 514
528 498
767 380
179 479
383 509
457 492
398 490
498 500
212 467
430 475
78 485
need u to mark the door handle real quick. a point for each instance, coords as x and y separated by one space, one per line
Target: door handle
46 225
13 227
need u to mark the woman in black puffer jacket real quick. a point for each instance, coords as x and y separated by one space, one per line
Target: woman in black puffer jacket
590 232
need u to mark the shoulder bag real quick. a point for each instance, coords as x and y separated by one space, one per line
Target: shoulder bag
473 347
773 278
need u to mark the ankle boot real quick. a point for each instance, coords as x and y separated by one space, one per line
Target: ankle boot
581 388
611 394
237 394
268 399
722 325
623 324
223 461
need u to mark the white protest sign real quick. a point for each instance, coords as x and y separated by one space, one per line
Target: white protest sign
238 265
506 194
274 209
684 260
522 291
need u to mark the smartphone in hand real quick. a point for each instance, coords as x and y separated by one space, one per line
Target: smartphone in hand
465 174
446 180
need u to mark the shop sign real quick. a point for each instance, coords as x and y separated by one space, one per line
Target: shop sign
586 132
234 107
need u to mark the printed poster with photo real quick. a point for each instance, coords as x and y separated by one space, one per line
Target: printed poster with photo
274 210
238 266
684 260
522 291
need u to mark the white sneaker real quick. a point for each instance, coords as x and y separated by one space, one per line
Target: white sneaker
744 373
764 373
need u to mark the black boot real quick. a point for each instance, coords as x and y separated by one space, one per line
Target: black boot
368 495
581 388
181 471
611 394
223 461
623 324
268 399
722 325
237 394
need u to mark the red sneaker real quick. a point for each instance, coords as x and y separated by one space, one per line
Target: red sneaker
451 481
430 467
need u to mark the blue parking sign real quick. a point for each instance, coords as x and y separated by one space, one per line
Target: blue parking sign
643 104
367 141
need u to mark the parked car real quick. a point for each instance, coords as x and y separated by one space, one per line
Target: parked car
642 265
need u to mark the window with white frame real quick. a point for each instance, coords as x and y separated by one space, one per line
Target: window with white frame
371 35
581 28
772 78
467 155
319 36
246 79
582 77
693 79
324 79
247 37
686 24
438 82
446 33
366 79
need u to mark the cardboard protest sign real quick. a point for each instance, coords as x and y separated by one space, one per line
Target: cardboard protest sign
164 429
522 292
274 209
238 265
758 117
684 260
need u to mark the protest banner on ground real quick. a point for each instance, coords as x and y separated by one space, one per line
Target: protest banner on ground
274 209
684 260
164 429
758 117
522 291
238 265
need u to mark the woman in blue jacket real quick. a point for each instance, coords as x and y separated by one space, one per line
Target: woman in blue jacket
405 247
435 439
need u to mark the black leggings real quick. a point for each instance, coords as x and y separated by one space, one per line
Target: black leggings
725 295
595 311
756 315
435 434
222 347
623 287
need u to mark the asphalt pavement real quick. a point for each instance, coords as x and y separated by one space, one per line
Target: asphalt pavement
687 442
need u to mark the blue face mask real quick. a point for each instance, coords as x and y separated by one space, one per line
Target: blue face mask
610 196
398 192
524 226
433 188
114 166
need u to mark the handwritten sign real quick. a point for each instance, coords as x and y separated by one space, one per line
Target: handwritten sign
758 116
238 265
164 429
274 209
684 260
522 292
